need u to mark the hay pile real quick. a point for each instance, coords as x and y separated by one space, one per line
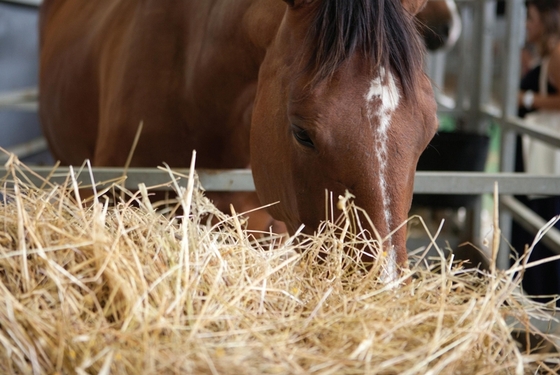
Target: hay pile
122 289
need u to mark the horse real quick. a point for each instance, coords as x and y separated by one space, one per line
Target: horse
312 95
439 24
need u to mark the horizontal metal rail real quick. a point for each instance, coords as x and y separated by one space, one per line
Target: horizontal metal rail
530 221
483 183
241 180
35 3
23 150
519 125
550 136
22 100
211 180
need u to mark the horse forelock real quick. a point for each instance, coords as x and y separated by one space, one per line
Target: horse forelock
379 29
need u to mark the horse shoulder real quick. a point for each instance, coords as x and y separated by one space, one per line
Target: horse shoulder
68 78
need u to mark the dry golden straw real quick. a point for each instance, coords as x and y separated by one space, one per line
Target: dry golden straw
100 288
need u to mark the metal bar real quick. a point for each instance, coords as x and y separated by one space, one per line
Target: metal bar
25 100
530 221
542 133
510 87
241 180
482 56
26 149
483 183
24 107
518 125
23 2
514 20
212 180
482 38
435 66
486 59
464 75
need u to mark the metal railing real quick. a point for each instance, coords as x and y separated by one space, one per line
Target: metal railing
20 100
473 99
242 179
34 3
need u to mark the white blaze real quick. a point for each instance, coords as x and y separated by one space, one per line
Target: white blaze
384 91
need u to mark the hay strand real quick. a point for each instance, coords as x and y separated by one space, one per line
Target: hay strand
99 288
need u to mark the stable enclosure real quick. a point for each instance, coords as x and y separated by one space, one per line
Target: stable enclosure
482 92
488 50
476 84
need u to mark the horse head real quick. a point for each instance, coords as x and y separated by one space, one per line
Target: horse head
440 24
342 104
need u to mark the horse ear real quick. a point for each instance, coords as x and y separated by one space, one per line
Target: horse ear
414 6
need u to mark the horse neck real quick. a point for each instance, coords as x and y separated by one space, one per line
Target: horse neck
232 35
227 39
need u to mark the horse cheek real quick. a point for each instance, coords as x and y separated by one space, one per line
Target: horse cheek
310 187
270 163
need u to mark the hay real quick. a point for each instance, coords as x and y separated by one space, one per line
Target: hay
102 288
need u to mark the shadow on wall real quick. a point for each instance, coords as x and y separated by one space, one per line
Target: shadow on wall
19 70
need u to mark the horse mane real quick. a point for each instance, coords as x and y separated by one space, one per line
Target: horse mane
380 29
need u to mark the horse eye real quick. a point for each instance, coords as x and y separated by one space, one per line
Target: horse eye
302 137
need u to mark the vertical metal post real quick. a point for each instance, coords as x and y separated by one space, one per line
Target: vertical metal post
464 74
480 94
435 62
515 17
483 37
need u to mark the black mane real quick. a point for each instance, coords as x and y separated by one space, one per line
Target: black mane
381 29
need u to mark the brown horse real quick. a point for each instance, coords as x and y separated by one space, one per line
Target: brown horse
324 95
440 24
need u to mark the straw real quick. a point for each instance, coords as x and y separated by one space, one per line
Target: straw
100 288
